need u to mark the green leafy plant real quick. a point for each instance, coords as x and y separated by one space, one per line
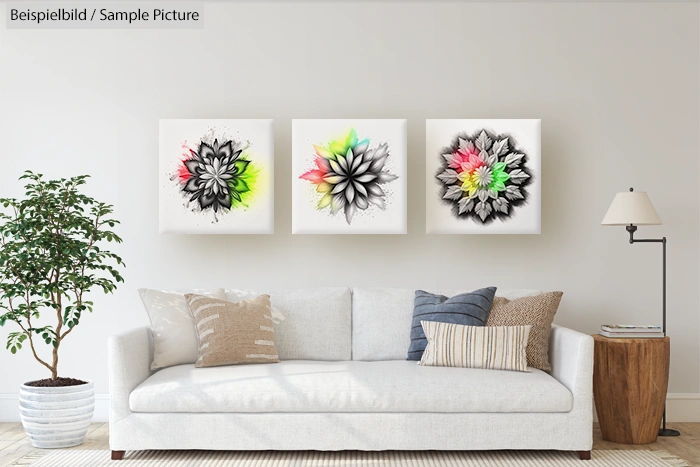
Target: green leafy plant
50 259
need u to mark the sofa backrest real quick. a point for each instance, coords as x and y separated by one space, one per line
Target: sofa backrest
381 319
333 324
310 324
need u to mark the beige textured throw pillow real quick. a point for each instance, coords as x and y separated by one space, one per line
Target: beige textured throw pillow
538 312
233 333
491 348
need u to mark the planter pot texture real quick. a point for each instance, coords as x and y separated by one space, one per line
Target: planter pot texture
56 417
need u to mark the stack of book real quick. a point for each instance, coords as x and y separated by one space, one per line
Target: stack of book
629 331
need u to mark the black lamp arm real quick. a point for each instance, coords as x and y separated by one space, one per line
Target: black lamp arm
633 228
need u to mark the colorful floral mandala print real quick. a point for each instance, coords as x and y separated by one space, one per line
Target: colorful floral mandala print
216 176
484 176
348 174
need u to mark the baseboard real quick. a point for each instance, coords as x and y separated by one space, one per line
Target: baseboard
680 407
683 407
9 408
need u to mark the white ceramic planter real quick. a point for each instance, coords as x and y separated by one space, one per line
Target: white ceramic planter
56 417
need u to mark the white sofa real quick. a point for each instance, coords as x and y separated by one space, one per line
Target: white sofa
344 383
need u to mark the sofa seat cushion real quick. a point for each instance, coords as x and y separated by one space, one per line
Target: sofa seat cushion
348 386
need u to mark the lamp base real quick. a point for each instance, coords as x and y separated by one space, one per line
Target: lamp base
669 432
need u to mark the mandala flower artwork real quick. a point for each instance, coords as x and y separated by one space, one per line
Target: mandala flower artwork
349 173
484 176
216 176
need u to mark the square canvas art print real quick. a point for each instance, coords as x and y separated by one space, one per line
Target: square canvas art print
349 176
216 176
483 176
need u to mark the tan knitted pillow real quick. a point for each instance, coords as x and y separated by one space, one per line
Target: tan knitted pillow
233 333
538 312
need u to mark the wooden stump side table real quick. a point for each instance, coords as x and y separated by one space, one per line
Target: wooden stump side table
630 379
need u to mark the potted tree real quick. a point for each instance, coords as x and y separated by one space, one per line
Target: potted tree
50 258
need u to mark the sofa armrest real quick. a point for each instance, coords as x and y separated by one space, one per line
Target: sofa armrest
129 357
571 356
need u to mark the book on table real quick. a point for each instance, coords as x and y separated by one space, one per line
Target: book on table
631 335
620 328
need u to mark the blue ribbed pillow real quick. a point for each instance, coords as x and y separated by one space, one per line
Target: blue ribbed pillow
467 309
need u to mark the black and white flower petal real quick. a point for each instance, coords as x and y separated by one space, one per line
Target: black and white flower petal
351 179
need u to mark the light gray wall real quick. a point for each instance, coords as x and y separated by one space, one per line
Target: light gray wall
616 87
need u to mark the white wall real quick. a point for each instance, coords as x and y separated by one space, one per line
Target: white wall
616 87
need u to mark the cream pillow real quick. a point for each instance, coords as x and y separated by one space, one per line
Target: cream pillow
233 333
491 348
174 337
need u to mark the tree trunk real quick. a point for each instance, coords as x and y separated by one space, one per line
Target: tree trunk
59 315
54 366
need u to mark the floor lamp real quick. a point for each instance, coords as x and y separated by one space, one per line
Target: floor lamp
631 209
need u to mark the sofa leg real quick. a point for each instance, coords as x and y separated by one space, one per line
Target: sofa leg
117 455
584 455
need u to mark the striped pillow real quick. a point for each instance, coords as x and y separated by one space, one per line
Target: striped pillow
492 348
233 333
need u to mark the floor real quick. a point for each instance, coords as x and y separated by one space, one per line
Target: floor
14 444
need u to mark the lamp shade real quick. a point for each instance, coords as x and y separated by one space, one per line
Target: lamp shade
631 207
